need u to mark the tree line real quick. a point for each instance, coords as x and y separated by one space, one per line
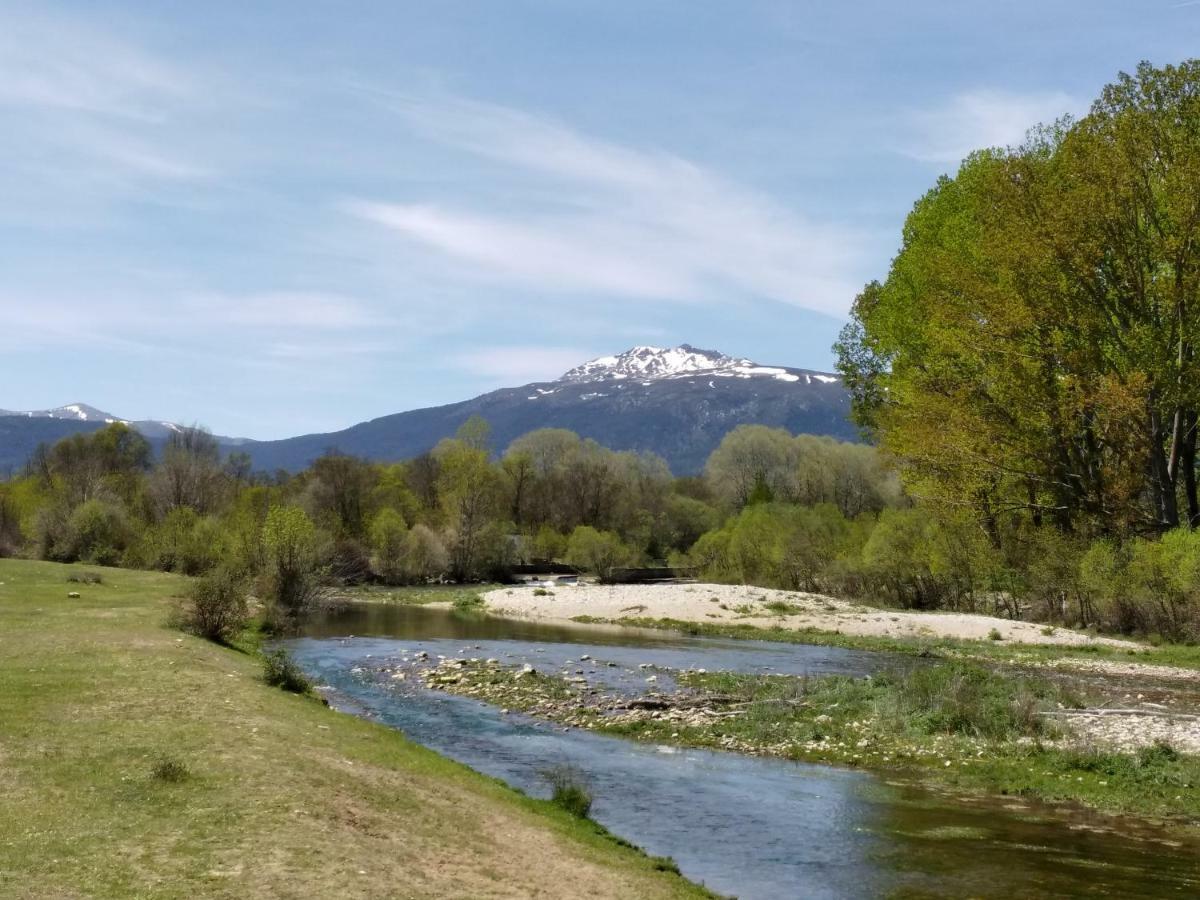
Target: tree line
771 509
1026 374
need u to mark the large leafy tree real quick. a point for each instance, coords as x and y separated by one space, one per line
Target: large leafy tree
1031 351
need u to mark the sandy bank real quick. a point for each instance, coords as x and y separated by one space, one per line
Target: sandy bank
761 608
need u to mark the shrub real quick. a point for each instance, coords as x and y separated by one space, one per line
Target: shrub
598 552
388 532
280 671
425 555
468 602
570 790
289 541
182 542
170 770
96 531
995 635
217 608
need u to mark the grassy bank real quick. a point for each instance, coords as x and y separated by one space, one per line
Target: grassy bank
420 595
136 761
951 723
1178 655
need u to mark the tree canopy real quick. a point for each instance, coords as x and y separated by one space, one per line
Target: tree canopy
1031 352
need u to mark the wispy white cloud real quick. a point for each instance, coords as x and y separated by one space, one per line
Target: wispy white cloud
624 221
56 62
281 311
974 120
89 115
281 325
521 364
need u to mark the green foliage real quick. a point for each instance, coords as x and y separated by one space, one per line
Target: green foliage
280 671
388 536
469 490
597 552
570 790
1031 352
183 541
425 555
289 540
754 464
97 531
217 608
967 699
548 545
170 771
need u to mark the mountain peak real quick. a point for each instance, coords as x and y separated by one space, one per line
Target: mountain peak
685 361
81 412
653 362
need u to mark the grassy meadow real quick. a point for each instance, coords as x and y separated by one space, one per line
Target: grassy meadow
136 761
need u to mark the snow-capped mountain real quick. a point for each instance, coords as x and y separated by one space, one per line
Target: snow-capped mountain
684 361
76 412
678 402
22 430
82 412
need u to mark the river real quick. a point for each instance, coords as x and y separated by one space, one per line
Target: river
745 826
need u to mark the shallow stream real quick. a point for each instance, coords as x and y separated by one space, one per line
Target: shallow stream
745 826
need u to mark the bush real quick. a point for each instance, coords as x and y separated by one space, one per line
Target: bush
598 552
217 608
182 542
425 556
170 770
280 671
570 790
388 532
289 541
468 602
96 531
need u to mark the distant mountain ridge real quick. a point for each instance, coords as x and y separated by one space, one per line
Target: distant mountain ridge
678 402
82 412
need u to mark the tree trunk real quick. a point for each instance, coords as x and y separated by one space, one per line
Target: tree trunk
1187 464
1166 504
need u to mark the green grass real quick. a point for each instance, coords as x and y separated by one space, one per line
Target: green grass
1181 655
138 761
418 595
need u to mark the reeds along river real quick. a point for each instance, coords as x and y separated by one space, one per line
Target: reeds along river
745 826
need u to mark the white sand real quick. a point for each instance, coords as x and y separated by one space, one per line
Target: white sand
732 604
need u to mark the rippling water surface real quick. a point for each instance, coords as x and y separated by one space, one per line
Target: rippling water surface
745 826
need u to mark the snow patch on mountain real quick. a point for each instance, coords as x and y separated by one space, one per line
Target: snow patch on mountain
77 411
648 364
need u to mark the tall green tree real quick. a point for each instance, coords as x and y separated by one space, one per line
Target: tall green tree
1031 352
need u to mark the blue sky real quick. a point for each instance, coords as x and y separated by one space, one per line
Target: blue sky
280 217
